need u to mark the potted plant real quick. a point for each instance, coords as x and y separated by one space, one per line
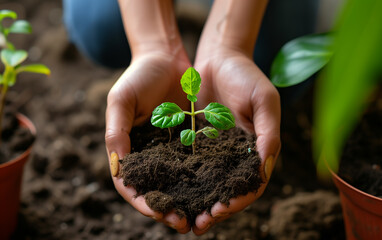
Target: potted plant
17 131
342 93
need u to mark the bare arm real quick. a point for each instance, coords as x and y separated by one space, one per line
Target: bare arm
224 61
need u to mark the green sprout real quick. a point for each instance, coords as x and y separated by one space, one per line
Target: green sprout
12 58
169 114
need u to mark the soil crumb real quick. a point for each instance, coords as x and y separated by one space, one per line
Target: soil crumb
172 178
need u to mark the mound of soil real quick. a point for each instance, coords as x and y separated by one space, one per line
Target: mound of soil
171 177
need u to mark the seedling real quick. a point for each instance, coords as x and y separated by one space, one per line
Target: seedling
169 114
12 58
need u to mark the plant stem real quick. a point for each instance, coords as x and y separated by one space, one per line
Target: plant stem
193 123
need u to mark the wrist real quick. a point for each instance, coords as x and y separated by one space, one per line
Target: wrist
233 25
150 26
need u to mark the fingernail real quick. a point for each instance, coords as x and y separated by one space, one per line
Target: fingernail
171 226
114 165
268 167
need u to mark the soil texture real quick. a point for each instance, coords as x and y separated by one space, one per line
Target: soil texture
171 177
14 138
361 162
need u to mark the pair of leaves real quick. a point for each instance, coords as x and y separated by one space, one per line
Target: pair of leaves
170 115
187 137
12 60
18 26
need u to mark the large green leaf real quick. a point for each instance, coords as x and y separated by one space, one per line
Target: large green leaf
301 58
190 82
187 137
13 57
219 115
167 115
348 80
7 14
210 132
34 68
20 26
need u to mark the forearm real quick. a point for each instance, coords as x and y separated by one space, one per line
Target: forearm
150 25
234 24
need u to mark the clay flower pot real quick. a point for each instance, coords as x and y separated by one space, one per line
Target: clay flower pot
362 212
10 185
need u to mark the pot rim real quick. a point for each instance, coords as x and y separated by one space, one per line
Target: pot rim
351 187
27 123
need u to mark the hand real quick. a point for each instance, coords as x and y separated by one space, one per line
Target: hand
150 80
232 79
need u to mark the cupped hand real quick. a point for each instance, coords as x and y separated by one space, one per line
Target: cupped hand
150 80
231 78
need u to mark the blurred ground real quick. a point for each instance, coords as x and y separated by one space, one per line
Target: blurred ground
67 191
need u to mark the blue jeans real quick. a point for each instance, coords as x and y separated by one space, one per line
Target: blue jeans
95 27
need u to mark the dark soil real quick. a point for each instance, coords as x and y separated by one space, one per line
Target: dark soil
361 161
171 177
14 138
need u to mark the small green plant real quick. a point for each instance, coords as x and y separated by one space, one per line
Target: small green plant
12 58
169 114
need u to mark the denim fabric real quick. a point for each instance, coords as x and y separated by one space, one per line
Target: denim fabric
96 28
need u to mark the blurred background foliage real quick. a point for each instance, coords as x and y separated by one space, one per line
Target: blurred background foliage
351 53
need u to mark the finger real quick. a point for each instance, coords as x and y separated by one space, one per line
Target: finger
203 223
174 221
266 120
139 203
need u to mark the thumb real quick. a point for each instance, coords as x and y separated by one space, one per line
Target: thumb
120 115
267 115
119 121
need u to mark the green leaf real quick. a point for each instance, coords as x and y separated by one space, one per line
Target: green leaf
210 132
167 115
301 58
20 26
34 68
1 79
220 116
187 137
344 88
7 14
190 82
13 57
192 98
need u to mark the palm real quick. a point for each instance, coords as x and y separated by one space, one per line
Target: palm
147 82
232 79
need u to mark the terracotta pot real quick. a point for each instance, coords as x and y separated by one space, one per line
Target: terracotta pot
10 186
362 212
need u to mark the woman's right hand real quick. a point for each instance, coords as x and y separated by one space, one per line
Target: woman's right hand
150 80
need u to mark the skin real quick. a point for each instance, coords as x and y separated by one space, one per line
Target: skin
229 76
